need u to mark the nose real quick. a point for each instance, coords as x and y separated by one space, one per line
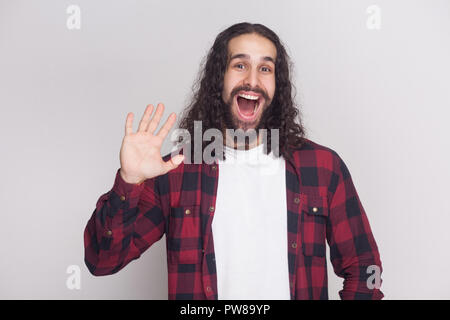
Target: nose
252 79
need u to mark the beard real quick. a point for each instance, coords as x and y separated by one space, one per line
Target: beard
232 121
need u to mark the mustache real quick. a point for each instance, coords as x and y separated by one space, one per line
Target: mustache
236 90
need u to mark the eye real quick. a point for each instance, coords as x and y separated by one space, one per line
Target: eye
265 69
239 66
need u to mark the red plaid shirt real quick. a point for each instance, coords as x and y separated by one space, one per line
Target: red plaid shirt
322 205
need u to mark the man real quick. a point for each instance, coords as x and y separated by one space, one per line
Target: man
257 230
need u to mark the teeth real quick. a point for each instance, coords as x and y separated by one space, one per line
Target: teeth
249 97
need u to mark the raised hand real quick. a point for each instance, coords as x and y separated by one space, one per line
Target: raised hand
140 153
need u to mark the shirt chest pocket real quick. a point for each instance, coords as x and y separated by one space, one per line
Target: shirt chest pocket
184 240
314 214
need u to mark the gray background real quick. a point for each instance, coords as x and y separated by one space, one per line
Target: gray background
380 98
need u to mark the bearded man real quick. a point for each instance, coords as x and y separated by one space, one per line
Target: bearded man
257 230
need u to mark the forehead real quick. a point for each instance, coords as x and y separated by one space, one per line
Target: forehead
252 44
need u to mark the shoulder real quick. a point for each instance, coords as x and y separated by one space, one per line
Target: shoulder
323 158
311 150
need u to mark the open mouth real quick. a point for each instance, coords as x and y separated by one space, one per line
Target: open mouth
248 105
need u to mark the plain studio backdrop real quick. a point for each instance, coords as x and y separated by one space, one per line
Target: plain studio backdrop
372 78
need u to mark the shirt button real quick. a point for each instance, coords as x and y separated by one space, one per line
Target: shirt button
214 168
296 200
109 233
187 211
208 288
211 209
122 198
294 245
315 209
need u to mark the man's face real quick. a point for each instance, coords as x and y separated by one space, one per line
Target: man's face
249 81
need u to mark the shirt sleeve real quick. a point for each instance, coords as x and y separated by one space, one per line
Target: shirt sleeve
353 250
126 221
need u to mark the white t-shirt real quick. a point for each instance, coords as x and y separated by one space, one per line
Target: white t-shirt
250 226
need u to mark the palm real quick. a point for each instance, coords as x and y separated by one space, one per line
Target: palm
140 154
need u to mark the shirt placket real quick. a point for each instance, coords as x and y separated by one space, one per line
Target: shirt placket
293 198
209 262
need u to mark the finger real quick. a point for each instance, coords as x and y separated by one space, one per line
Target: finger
145 118
156 118
167 125
173 162
129 124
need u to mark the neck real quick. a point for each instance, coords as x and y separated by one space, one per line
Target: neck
242 142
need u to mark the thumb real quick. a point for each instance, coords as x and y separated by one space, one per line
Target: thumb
174 162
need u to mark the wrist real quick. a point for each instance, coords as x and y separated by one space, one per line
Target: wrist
130 179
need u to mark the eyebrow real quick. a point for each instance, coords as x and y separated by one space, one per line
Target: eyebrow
247 57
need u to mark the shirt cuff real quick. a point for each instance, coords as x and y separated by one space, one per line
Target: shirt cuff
127 191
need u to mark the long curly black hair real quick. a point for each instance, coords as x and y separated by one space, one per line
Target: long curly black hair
208 106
